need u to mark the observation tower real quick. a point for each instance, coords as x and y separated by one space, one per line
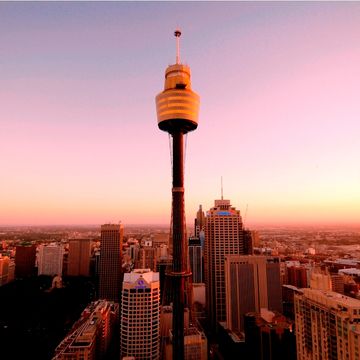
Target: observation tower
177 110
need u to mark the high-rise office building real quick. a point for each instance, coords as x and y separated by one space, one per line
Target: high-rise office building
199 222
25 258
223 236
196 259
50 260
327 326
79 257
110 274
251 283
140 315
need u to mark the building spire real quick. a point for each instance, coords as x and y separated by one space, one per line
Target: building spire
177 34
222 190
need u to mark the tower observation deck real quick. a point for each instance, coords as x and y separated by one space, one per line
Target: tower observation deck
177 113
177 106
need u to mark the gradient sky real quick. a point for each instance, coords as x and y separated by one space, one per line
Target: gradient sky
279 119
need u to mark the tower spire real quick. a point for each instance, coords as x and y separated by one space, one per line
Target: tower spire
177 34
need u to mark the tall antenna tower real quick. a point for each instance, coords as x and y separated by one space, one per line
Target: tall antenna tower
177 110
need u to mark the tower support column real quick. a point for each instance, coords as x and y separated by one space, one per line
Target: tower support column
178 273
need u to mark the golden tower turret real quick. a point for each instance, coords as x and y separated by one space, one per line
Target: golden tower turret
177 106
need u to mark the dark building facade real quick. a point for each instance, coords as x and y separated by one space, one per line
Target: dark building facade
110 273
25 258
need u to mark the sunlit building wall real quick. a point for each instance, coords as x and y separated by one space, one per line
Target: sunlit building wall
327 326
50 261
4 269
140 315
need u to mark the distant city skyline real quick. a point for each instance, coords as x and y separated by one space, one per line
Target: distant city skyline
279 112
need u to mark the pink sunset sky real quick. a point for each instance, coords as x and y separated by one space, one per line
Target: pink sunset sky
279 119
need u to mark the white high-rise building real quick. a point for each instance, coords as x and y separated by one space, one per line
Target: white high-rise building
50 259
140 315
327 326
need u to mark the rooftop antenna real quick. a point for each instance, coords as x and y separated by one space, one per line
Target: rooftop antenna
222 197
177 34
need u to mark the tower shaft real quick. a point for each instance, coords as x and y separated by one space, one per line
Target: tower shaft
178 273
177 110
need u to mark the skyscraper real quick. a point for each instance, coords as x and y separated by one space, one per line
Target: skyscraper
252 283
110 261
25 257
79 257
196 259
140 315
51 259
177 110
199 221
223 236
327 326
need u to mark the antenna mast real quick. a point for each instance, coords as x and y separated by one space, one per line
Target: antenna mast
222 197
177 34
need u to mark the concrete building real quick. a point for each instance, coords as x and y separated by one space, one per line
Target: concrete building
50 259
79 257
251 284
320 280
110 274
224 235
327 326
90 336
140 315
25 257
